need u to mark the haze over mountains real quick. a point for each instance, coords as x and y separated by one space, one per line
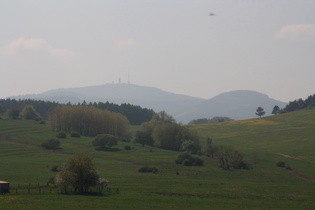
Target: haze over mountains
240 104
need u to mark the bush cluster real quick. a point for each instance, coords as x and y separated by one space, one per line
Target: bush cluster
188 160
147 169
51 144
55 168
105 141
75 134
280 164
61 135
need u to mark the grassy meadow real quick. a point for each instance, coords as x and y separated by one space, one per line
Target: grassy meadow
265 141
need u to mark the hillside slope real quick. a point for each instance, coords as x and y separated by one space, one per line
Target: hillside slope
290 135
264 141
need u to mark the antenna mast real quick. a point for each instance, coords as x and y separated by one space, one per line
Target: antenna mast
128 77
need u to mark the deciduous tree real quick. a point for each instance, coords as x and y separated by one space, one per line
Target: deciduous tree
78 173
231 158
89 121
29 113
144 137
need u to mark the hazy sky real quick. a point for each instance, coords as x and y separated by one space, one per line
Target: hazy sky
177 46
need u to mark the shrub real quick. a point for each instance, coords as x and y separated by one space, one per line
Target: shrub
190 145
210 150
51 180
242 165
231 158
61 135
55 168
188 160
147 169
127 148
280 164
51 144
193 161
288 168
104 141
182 157
75 134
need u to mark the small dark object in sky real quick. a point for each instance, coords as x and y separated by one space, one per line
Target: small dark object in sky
211 14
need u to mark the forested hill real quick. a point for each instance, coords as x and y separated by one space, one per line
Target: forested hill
148 97
135 114
237 105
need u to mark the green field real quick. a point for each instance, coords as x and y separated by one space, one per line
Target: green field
287 137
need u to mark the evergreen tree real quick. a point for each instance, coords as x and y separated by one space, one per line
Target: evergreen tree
276 110
260 112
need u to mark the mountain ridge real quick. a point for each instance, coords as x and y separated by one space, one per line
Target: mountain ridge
237 104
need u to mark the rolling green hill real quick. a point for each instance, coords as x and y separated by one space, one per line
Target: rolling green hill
288 137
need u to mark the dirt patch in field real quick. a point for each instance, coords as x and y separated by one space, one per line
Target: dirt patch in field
294 171
298 174
288 156
15 141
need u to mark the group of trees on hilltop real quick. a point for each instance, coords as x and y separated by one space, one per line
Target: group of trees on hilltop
309 102
27 113
135 114
299 104
14 106
162 131
208 120
88 121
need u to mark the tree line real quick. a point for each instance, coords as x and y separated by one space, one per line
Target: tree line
13 105
135 114
309 102
210 120
88 121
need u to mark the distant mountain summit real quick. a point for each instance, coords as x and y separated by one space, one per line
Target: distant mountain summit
146 97
240 104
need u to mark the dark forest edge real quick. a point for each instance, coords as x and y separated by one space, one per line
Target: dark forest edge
299 104
134 113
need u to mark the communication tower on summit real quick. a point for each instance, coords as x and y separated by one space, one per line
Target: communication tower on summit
128 77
